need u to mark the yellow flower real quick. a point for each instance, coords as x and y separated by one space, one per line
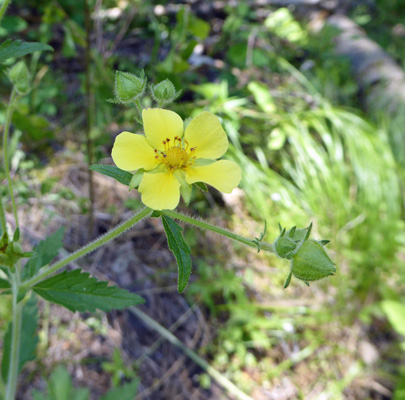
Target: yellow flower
173 160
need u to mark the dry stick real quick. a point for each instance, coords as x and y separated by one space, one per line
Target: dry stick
89 143
215 374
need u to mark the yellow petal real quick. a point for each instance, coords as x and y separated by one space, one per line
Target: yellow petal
224 175
160 191
160 125
131 151
206 134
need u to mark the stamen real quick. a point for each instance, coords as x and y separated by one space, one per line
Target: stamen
177 155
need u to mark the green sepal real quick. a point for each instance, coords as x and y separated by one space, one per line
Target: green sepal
185 188
4 242
16 236
292 231
201 162
311 262
287 282
136 179
201 186
120 175
156 214
285 247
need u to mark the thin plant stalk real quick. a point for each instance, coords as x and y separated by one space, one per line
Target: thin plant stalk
205 225
102 240
9 115
3 223
3 8
89 142
12 378
209 369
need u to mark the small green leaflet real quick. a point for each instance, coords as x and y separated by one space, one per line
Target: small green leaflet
113 172
77 291
124 392
28 339
60 387
45 252
180 249
18 48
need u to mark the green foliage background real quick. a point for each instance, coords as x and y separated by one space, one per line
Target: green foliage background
297 126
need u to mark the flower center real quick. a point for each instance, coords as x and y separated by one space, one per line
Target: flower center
177 155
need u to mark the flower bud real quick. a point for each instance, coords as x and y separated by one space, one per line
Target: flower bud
285 247
311 262
128 87
20 77
164 92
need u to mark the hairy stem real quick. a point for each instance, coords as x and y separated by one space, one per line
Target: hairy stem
221 231
12 378
9 115
112 234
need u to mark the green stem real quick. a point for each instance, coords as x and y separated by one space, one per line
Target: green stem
4 8
89 111
214 373
221 231
3 223
9 115
112 234
15 342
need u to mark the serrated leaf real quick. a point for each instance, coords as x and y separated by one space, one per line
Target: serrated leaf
18 48
77 291
121 176
124 392
45 252
28 339
180 249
